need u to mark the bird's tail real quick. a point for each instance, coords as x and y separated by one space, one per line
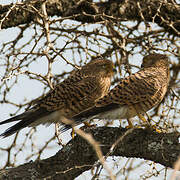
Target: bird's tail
86 115
13 129
26 119
16 118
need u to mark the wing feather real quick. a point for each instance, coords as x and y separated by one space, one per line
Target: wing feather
131 90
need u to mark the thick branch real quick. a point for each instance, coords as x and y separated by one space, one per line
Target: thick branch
78 156
165 14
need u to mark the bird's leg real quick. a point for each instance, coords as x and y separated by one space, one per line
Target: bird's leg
87 123
130 125
141 117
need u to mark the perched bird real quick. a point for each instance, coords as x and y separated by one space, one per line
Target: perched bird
75 94
134 95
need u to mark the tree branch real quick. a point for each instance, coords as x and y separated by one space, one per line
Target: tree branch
165 14
78 156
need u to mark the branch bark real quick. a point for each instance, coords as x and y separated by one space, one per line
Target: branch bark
165 13
78 156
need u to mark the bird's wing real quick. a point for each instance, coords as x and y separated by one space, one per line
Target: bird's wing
62 96
133 89
72 99
28 118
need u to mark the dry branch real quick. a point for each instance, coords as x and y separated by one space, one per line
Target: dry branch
165 13
78 156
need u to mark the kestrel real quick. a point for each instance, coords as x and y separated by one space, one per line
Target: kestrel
75 94
134 95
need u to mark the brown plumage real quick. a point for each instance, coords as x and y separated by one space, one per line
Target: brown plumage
75 94
135 94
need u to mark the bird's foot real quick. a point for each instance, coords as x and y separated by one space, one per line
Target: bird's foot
154 127
148 125
87 124
129 126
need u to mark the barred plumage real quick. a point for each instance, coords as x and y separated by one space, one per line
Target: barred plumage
75 94
135 94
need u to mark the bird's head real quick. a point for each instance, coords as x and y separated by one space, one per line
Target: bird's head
101 67
157 60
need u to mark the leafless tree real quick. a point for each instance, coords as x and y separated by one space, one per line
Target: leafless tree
42 34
